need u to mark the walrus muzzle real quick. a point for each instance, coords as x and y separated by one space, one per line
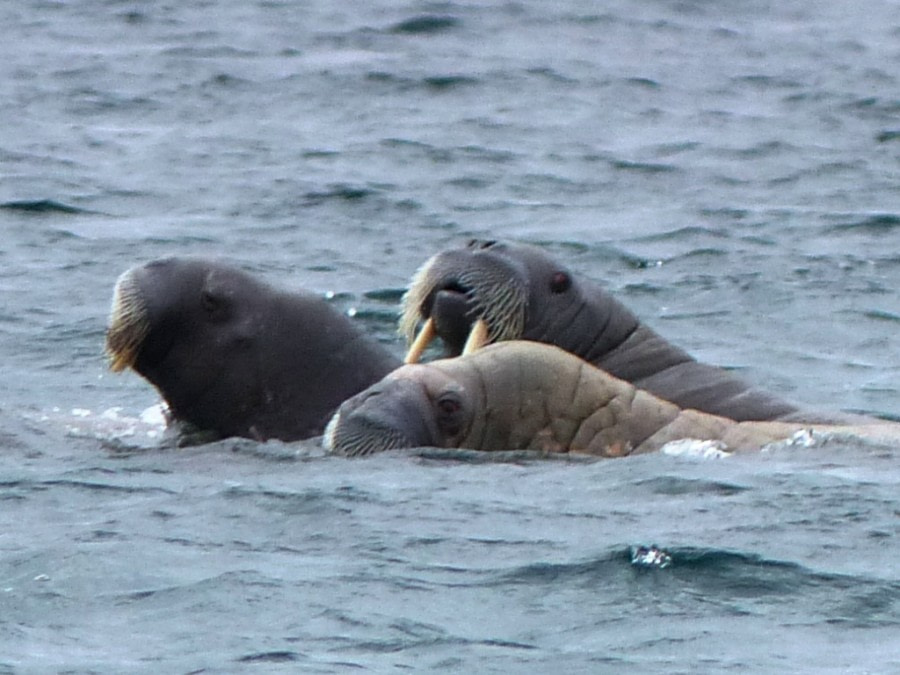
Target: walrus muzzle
390 415
468 302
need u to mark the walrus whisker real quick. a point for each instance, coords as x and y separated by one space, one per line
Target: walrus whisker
360 442
478 337
419 289
128 325
423 339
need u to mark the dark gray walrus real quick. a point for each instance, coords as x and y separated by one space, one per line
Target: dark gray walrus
521 395
490 291
234 356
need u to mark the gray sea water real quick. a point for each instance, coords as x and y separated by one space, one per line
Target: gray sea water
730 170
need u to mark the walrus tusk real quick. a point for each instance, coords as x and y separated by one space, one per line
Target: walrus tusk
478 337
423 339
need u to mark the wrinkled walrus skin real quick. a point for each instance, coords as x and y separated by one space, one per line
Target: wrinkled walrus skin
232 355
521 395
521 292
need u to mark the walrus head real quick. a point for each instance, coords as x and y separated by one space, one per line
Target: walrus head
233 355
490 292
414 406
156 306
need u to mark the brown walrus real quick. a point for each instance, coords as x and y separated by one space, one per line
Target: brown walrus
491 291
521 395
234 356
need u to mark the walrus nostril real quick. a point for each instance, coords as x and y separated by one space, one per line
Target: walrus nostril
481 243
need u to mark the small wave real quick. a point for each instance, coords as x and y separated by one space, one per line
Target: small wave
694 316
225 80
185 593
284 656
494 457
681 233
881 315
387 295
551 74
676 485
200 51
372 317
309 501
729 577
428 24
764 82
551 573
444 82
347 193
89 486
875 106
413 635
643 82
877 223
436 83
649 168
836 598
41 206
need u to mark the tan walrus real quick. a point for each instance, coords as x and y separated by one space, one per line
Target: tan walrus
522 395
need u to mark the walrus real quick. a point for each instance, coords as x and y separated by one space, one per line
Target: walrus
234 356
520 395
490 291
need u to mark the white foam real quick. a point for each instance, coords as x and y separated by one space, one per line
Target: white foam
692 447
650 556
110 423
156 414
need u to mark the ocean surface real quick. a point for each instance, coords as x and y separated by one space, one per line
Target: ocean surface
730 170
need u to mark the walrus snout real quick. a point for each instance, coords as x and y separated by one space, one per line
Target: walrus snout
453 313
393 414
459 291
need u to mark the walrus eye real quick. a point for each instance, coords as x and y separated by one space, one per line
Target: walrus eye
560 282
448 409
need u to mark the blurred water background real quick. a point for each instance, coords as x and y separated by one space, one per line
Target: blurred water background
731 171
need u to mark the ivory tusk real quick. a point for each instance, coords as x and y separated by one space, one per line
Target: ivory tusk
478 338
423 339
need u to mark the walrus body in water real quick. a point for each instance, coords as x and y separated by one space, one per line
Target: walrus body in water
490 291
529 396
235 356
